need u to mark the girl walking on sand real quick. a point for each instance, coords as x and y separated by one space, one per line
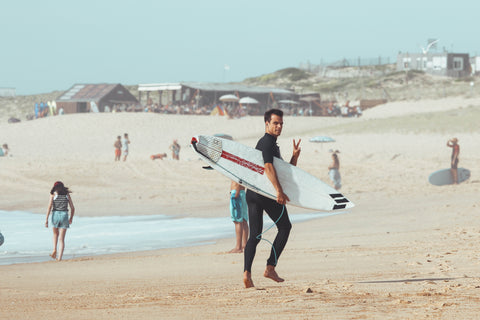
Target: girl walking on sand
58 205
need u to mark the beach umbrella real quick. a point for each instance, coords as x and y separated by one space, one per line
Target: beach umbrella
322 139
248 100
309 98
288 102
228 98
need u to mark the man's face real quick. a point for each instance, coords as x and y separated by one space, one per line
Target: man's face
274 126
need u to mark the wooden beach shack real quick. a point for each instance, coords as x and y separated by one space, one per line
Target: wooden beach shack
96 98
202 93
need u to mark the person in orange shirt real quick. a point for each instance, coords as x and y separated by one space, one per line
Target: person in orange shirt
118 148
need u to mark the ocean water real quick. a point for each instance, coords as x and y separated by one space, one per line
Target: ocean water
27 240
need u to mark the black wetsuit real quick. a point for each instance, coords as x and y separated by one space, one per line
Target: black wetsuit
258 203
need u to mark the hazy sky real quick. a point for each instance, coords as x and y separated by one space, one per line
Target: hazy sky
52 44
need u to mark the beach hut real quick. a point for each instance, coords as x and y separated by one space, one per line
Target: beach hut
96 98
204 93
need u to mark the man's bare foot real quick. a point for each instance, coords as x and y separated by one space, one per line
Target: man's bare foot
53 255
247 279
235 250
272 274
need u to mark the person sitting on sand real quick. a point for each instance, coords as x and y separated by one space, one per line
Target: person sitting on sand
4 150
60 199
239 214
453 143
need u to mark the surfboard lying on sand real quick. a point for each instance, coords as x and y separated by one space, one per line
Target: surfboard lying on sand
444 176
245 166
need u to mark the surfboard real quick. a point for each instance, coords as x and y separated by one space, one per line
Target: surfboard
444 176
245 165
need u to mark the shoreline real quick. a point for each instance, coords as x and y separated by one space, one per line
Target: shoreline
88 237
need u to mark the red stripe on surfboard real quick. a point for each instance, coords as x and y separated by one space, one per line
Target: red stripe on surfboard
244 163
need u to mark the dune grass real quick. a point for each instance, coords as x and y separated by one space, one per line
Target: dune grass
458 120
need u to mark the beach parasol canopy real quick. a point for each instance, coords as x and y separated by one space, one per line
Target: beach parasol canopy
309 99
228 98
322 139
288 102
247 100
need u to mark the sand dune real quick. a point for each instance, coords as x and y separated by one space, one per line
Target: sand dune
406 251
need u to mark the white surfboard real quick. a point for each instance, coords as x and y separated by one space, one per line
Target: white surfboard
444 176
245 166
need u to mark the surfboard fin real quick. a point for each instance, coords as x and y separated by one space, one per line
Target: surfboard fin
207 168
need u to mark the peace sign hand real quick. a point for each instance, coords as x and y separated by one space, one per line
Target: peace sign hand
296 151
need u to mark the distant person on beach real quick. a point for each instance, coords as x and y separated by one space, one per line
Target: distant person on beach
275 209
125 143
453 143
175 147
60 199
239 214
4 150
334 171
118 148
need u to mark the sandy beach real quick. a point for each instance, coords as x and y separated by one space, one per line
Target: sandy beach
406 251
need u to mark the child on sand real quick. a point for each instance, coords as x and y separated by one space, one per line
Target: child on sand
58 205
125 142
175 148
334 171
118 148
4 150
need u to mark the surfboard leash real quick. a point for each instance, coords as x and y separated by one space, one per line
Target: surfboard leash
259 237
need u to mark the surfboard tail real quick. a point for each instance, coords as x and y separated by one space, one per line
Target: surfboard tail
341 202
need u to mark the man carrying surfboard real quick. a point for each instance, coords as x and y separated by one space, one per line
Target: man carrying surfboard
275 209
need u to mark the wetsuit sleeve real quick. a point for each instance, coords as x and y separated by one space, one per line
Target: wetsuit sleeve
267 154
267 148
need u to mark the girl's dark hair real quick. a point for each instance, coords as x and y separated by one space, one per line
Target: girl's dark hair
59 188
268 115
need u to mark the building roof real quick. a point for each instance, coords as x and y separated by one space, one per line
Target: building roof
218 87
88 92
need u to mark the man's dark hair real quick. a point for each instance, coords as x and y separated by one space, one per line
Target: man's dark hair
268 114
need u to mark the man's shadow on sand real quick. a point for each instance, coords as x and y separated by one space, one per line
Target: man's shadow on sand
413 280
